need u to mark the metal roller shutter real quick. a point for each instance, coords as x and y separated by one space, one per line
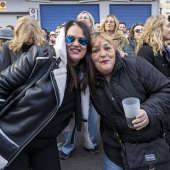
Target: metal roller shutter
131 14
54 15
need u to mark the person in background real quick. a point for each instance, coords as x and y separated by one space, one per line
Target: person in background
152 44
135 34
10 27
128 32
69 146
97 26
88 19
34 121
45 33
45 36
122 26
26 34
118 78
5 35
110 25
52 39
57 30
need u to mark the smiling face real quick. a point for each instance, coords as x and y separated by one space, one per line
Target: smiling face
122 27
75 50
103 56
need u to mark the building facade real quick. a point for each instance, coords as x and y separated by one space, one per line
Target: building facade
164 7
51 13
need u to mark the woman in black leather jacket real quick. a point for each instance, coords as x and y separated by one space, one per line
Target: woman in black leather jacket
119 78
30 126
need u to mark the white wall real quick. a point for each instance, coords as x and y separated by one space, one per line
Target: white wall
21 7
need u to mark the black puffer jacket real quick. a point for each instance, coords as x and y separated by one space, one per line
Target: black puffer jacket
131 77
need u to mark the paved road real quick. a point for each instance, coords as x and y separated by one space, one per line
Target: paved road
81 159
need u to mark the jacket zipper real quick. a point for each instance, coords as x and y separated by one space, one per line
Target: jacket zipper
38 129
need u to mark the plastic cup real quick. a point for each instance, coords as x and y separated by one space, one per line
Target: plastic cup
131 108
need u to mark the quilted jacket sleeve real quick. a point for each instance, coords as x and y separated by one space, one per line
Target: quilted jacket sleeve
157 87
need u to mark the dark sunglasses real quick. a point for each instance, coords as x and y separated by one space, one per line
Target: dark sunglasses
70 39
138 30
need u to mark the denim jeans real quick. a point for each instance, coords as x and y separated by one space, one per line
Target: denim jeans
93 132
109 165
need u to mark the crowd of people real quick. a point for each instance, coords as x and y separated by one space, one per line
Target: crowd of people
60 81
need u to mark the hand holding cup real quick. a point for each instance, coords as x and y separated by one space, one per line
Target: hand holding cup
141 121
136 118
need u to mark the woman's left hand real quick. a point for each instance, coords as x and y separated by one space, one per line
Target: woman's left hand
141 121
123 54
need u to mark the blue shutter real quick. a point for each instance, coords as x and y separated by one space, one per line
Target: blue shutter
131 14
54 15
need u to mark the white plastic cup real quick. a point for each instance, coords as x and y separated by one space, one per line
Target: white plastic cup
131 108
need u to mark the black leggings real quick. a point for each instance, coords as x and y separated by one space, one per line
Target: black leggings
46 158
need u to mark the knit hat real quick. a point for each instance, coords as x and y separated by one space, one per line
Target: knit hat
6 33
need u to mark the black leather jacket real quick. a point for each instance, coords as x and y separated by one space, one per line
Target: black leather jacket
36 107
131 77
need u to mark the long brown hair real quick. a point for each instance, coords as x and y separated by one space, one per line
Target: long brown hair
85 64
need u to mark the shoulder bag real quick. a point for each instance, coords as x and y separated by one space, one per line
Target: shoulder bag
154 155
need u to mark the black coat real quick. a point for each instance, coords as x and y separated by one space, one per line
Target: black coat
29 109
158 61
39 104
131 77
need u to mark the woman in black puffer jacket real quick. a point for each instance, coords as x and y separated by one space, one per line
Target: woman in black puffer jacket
119 78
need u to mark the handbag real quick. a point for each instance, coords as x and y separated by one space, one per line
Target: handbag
154 155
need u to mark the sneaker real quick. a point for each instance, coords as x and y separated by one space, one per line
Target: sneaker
93 151
63 156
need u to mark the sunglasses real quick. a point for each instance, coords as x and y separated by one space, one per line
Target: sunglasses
70 39
138 30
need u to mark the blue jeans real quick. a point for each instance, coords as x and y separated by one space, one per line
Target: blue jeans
93 132
109 165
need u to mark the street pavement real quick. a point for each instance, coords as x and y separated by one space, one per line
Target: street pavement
81 159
